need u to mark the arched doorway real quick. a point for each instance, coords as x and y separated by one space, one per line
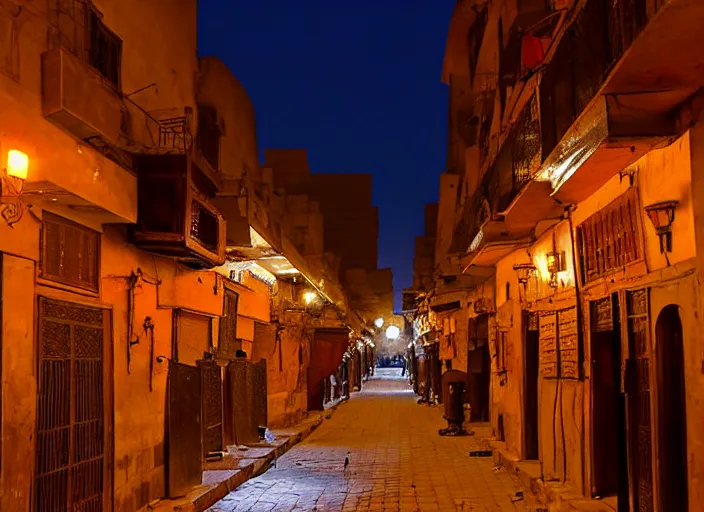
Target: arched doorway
672 416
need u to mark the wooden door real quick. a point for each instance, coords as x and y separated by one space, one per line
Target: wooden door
74 408
212 404
639 422
672 411
184 452
609 466
530 395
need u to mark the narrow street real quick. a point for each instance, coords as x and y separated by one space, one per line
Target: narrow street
397 461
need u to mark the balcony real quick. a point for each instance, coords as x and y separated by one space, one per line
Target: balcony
176 215
608 94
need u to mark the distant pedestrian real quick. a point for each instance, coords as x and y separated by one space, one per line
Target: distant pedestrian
404 366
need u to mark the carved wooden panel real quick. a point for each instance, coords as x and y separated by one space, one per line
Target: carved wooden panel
640 429
70 454
548 345
601 315
211 378
569 349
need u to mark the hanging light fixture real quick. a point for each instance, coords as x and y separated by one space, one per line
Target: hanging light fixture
662 215
12 179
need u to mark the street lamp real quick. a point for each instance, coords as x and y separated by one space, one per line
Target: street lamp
12 179
393 332
662 215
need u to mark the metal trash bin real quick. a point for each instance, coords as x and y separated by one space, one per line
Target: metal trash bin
454 407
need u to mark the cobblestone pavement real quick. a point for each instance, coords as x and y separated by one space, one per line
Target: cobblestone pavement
397 461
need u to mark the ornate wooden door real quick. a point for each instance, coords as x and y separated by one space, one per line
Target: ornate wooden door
73 443
639 423
211 379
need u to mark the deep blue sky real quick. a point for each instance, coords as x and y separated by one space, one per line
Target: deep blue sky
356 83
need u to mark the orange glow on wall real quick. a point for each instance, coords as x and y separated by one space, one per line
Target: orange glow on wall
17 164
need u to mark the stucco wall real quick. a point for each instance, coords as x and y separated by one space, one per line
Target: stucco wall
18 382
218 87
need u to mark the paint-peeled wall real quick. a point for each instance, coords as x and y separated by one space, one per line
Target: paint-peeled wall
162 287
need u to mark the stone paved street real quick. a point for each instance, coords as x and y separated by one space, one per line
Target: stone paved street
397 462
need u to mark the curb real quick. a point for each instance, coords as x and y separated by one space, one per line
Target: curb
550 497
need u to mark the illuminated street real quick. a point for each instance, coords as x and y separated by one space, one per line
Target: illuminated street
397 462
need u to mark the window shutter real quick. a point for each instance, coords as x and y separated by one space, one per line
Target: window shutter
70 253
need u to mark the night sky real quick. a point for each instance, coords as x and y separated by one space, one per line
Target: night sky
356 83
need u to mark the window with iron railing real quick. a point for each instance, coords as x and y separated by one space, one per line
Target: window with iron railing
527 144
77 26
610 239
103 48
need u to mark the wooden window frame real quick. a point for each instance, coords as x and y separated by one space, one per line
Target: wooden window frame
97 32
61 280
611 239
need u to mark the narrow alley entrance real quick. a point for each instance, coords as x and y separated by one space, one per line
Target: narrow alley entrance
397 461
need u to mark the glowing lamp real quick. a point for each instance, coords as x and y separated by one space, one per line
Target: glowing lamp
17 164
393 332
309 297
555 262
379 322
662 215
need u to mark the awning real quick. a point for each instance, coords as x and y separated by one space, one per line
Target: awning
447 301
329 345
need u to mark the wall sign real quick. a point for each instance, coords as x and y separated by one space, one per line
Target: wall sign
560 353
548 345
568 338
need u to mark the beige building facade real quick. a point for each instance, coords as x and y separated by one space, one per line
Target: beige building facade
149 270
570 198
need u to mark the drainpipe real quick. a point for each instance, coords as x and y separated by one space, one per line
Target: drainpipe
580 337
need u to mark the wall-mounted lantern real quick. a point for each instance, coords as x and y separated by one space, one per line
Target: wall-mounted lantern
524 271
556 264
12 178
662 215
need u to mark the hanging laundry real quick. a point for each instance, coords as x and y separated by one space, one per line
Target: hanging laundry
532 53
